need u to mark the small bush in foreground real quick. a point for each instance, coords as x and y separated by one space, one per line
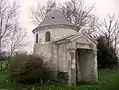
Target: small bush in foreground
27 68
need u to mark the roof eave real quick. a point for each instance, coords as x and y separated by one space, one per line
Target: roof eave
46 26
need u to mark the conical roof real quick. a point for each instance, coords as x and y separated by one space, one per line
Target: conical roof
55 17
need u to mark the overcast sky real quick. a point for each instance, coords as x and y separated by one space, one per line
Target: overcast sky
102 8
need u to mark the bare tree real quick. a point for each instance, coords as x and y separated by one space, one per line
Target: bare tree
7 19
110 29
11 35
75 11
39 13
17 39
79 14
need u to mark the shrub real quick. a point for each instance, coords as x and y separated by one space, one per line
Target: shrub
27 68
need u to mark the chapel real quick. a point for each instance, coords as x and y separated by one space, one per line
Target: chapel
71 56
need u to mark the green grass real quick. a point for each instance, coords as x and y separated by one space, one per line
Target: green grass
108 80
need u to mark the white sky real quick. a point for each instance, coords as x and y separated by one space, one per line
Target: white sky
102 8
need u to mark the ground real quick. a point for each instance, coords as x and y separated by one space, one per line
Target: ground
108 80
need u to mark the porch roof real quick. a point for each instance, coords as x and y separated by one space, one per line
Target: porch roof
84 36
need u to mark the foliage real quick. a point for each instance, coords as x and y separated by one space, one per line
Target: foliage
107 57
27 68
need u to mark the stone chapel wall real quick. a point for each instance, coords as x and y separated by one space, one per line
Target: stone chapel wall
62 58
48 52
56 33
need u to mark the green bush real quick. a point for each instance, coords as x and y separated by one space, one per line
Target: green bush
27 68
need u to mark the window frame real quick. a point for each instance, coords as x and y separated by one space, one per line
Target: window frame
47 36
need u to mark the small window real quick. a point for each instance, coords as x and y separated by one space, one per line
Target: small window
37 38
47 36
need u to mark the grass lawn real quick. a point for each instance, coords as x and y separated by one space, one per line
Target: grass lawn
108 80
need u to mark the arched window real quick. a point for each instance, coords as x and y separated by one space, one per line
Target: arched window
47 36
37 38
